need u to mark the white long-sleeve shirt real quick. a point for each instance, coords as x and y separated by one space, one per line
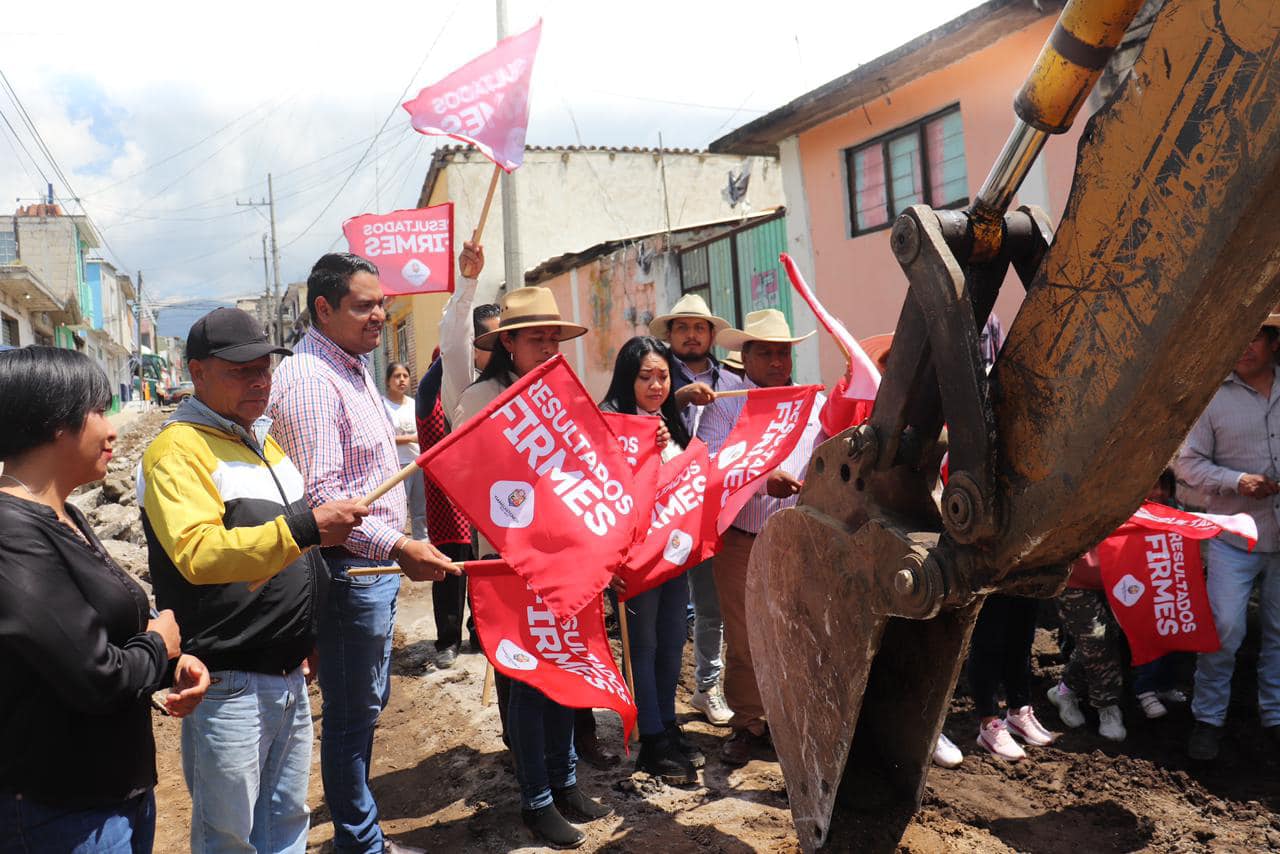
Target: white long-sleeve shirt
457 337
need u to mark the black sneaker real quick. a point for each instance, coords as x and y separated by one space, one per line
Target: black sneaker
1203 744
664 761
577 806
686 748
552 828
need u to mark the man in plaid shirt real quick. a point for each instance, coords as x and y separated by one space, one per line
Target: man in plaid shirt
329 418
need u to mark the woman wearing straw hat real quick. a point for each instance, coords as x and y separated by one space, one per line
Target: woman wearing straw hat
765 342
540 730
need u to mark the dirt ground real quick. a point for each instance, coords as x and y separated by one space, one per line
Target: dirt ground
444 781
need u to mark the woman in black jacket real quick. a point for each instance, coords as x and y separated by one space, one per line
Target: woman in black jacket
641 385
80 652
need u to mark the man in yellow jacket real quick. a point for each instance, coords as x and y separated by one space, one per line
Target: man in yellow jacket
223 507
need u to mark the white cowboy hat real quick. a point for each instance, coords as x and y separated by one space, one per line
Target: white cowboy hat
768 324
527 307
732 359
1272 320
689 305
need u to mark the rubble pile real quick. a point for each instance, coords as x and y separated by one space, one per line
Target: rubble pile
111 504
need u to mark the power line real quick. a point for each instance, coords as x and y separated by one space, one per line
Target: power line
395 107
24 149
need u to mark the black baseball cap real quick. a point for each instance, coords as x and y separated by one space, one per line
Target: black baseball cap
231 334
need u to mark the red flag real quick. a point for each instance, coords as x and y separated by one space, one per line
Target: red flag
569 661
770 424
854 395
412 248
485 102
540 474
681 534
637 437
1154 581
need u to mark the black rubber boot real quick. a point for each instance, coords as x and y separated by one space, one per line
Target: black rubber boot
577 806
686 747
659 757
552 828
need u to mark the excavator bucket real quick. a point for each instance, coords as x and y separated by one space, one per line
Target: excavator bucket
861 599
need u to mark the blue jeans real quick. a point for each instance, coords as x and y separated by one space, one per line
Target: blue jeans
1155 675
1232 573
246 756
355 684
657 629
28 827
541 734
708 627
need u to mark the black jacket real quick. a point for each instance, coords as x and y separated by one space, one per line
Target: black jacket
77 666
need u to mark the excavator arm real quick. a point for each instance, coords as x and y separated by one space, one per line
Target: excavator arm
861 599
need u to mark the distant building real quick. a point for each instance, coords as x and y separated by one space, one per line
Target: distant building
42 275
570 198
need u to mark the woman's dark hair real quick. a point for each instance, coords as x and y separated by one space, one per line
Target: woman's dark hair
331 278
44 390
391 369
481 313
621 395
501 366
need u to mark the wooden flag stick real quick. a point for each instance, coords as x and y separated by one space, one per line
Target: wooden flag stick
737 392
626 647
486 693
390 483
488 199
389 570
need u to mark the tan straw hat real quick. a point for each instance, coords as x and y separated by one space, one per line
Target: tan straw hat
768 324
527 307
689 305
732 359
1272 320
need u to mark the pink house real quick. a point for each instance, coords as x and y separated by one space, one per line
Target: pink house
920 124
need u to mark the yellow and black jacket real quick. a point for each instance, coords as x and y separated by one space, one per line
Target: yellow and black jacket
220 510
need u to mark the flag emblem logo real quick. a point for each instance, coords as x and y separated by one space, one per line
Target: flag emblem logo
1128 590
511 503
679 545
511 655
415 272
730 455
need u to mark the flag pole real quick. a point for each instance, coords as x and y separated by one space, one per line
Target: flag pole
488 200
626 647
389 484
486 693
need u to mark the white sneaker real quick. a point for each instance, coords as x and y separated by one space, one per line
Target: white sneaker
1111 724
1151 705
1064 700
711 703
1025 725
945 753
996 739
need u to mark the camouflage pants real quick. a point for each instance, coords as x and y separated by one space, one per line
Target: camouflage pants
1096 668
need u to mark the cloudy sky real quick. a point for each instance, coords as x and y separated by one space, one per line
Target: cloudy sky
161 120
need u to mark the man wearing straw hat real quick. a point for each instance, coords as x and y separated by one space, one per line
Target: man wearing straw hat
329 418
765 342
690 328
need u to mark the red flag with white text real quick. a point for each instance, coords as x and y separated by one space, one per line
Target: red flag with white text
681 532
568 660
770 424
485 102
413 249
1153 578
541 475
637 437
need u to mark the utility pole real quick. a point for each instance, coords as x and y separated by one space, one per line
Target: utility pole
264 303
278 312
137 344
512 267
